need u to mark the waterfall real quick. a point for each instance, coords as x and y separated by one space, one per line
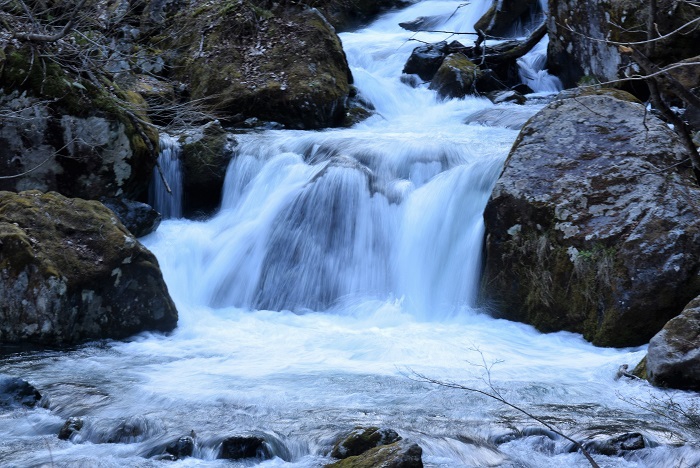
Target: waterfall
168 204
340 262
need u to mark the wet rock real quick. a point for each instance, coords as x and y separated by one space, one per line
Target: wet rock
245 446
425 60
139 218
501 117
362 439
422 23
401 454
18 392
593 227
456 77
182 447
499 97
501 17
573 55
616 446
673 358
71 272
206 153
72 426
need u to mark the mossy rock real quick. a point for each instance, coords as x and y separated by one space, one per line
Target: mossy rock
456 77
397 455
70 272
362 439
285 64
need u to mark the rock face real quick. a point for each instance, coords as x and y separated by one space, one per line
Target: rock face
70 272
85 153
673 359
581 51
592 227
283 64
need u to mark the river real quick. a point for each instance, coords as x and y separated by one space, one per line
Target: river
341 264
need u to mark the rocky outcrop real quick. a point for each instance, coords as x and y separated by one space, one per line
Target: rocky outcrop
70 272
249 59
593 226
673 358
578 31
79 149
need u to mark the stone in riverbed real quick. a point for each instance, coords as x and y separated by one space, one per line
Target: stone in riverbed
401 454
245 446
72 426
18 392
593 226
70 272
362 439
673 358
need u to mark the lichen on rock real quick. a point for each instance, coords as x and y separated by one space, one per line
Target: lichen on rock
607 217
70 272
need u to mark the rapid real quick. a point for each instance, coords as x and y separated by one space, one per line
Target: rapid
342 265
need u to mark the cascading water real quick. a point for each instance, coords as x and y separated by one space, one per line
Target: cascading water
340 262
167 203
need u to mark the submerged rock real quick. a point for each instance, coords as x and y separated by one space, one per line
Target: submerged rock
72 426
70 272
616 446
593 227
401 454
362 439
182 447
673 358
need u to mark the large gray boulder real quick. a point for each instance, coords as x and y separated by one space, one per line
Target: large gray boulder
71 272
594 225
673 359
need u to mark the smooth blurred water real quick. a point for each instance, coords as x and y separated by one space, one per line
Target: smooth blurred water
341 264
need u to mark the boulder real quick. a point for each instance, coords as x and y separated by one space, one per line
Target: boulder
272 62
401 454
18 392
139 218
425 60
578 31
205 155
362 439
182 447
71 272
615 446
673 358
499 97
422 23
245 446
456 77
503 15
594 224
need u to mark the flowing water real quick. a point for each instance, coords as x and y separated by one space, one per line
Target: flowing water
342 264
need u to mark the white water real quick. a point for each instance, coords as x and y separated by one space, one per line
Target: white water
340 262
168 204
